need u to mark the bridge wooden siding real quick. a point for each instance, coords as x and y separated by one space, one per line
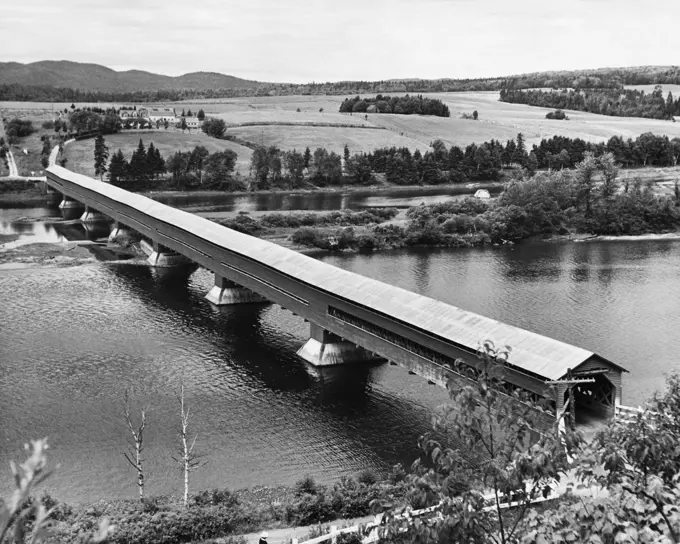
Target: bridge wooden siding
382 319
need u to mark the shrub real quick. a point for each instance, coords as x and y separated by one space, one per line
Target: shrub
311 509
306 485
367 477
48 125
216 497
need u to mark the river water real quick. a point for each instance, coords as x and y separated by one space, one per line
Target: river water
72 340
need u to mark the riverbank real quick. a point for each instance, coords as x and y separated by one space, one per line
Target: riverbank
224 514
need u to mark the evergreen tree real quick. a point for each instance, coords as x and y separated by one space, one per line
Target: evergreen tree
520 154
307 157
345 153
101 156
189 114
151 164
138 163
118 169
183 123
200 115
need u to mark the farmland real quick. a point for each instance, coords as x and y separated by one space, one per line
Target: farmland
275 120
497 120
81 154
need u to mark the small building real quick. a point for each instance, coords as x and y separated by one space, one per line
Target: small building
192 122
483 194
127 112
161 114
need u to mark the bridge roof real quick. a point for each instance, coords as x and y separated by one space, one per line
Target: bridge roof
540 355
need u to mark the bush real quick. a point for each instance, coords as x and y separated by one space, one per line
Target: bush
306 485
186 525
216 497
48 125
311 509
367 477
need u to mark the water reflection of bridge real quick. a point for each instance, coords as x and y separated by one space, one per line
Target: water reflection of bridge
352 318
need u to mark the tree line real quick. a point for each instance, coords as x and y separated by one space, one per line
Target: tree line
407 105
607 78
193 169
614 102
271 167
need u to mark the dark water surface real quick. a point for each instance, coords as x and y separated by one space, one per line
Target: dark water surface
73 339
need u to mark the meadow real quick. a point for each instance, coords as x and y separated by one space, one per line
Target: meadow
497 120
275 120
81 154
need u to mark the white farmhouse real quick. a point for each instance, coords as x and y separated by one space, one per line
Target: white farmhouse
161 114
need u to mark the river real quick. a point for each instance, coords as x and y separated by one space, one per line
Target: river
72 340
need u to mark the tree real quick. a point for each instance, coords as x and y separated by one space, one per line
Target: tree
520 152
495 427
101 156
21 512
187 458
214 127
294 163
134 455
138 168
607 165
637 462
307 156
218 169
200 115
586 170
118 168
155 165
183 123
532 163
345 153
166 124
189 114
475 115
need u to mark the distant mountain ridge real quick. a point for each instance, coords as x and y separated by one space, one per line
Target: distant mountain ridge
97 78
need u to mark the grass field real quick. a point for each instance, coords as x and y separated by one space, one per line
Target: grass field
497 120
81 154
28 164
332 138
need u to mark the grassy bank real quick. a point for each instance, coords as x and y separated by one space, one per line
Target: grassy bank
220 513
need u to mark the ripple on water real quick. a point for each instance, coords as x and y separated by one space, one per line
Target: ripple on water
73 340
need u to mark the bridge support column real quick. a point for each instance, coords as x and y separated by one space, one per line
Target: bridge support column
93 216
68 203
161 257
325 349
120 234
226 292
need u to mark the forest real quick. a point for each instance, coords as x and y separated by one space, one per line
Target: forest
406 105
614 102
604 78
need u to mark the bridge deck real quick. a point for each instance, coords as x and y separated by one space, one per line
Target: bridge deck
537 355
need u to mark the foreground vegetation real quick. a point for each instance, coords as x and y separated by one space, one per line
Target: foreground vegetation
633 464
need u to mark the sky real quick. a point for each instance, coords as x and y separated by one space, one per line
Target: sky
332 40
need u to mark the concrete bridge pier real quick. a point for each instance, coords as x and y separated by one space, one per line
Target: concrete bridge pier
325 349
70 208
93 216
161 256
69 203
226 292
120 234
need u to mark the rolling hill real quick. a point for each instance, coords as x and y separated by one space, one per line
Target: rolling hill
94 77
